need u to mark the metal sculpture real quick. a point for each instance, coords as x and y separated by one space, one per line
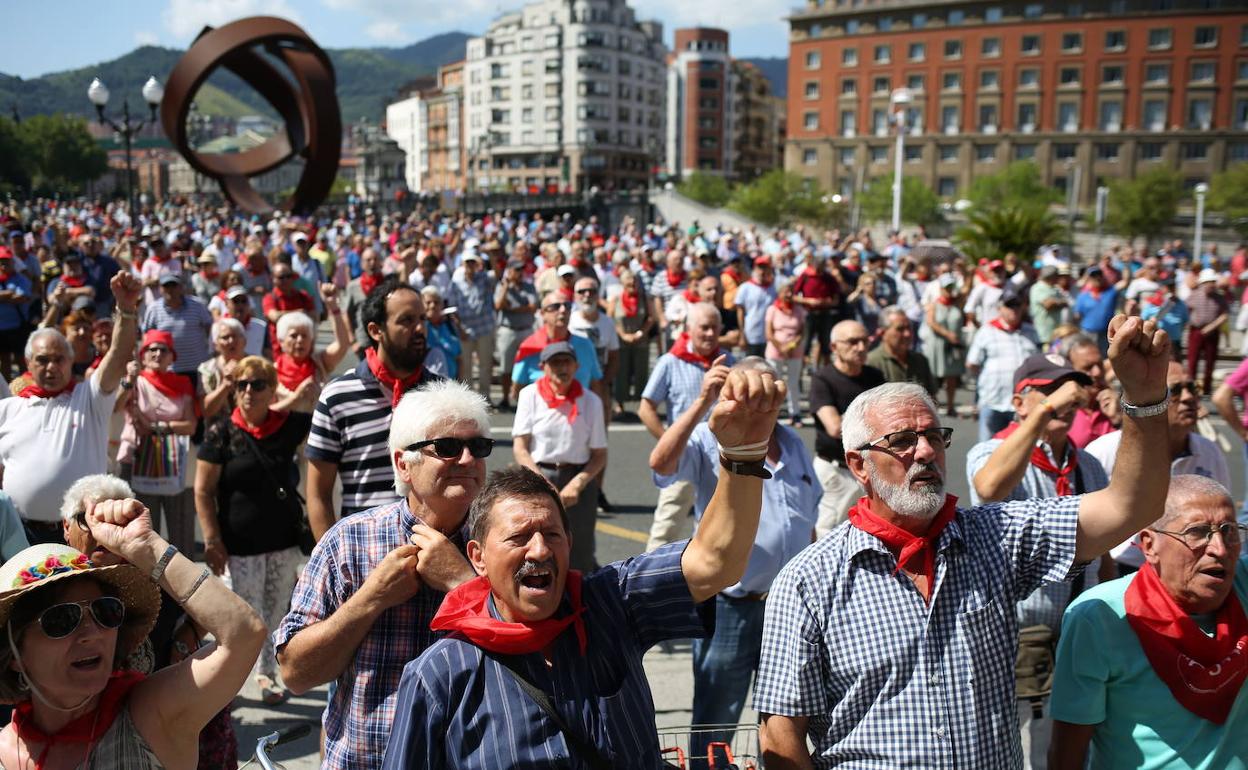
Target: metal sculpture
305 100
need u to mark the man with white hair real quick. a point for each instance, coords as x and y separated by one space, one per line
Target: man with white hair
362 607
893 636
56 431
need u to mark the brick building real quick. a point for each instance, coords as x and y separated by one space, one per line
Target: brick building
428 124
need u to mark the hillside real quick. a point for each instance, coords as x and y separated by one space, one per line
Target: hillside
776 68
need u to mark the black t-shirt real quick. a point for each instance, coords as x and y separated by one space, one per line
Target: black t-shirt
254 519
831 387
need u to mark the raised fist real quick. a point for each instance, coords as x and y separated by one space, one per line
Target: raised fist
749 403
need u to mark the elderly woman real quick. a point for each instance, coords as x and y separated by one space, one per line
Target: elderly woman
442 331
160 418
248 505
300 369
216 375
633 321
68 627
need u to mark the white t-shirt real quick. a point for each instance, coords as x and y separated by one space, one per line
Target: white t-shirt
46 444
1203 458
552 439
600 331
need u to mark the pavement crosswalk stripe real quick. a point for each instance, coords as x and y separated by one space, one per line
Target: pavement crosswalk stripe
624 532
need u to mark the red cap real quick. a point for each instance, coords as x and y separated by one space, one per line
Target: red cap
762 262
6 252
157 337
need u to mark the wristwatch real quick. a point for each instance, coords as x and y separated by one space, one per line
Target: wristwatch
1148 410
751 468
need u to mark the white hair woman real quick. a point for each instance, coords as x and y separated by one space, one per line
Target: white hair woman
216 375
443 333
301 370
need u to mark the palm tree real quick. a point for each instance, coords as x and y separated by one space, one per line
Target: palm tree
993 233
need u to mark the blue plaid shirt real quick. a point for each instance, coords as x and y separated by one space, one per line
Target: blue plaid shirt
474 301
357 721
676 383
889 681
460 710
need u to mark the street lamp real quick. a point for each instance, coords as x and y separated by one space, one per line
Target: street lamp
152 92
1201 189
900 98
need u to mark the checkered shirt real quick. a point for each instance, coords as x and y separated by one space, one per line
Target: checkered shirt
357 721
889 681
998 354
676 383
474 301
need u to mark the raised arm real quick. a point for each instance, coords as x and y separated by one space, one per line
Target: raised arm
1008 462
665 457
126 291
1224 400
333 353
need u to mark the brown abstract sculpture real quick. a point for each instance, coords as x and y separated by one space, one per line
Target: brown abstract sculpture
304 99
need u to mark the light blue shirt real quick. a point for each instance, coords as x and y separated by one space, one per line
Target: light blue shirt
790 502
755 299
528 370
12 533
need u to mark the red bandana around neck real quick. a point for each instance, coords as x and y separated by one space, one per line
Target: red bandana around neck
74 281
630 302
291 372
683 350
34 391
1041 460
783 307
1003 326
171 384
908 546
1203 674
534 343
85 729
466 611
546 389
388 378
274 420
761 284
368 282
691 296
675 279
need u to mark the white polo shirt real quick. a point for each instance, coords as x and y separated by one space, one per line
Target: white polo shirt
552 439
46 444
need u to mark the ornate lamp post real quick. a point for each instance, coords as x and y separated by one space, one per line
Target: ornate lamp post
152 92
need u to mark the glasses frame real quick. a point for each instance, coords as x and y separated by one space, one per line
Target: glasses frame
557 306
1222 529
464 443
88 605
946 438
1176 390
256 385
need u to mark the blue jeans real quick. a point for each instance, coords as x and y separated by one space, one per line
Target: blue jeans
722 669
991 421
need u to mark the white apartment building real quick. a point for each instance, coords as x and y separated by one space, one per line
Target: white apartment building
565 96
407 124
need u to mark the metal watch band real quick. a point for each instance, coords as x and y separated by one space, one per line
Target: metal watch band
751 468
1147 410
159 570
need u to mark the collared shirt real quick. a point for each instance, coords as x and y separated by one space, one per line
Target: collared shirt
755 300
357 720
676 383
552 439
915 369
474 302
998 354
518 295
190 326
528 369
1203 308
890 681
790 502
1089 424
12 315
461 711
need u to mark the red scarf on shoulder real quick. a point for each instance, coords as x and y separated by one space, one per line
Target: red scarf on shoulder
534 343
466 612
74 281
1003 326
388 378
291 372
273 421
685 352
909 547
675 279
630 302
1204 675
171 384
87 728
546 389
1041 460
691 296
34 391
784 307
732 273
368 282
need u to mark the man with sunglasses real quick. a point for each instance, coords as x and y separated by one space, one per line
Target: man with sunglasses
1186 451
556 314
1151 667
894 636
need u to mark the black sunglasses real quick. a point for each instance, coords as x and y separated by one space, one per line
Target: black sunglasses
61 620
450 448
256 386
557 306
1176 390
586 291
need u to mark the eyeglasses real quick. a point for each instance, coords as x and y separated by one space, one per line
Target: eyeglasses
904 440
61 620
256 386
555 307
451 448
1201 535
586 291
161 349
1176 390
853 342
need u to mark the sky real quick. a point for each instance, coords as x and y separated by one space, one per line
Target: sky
53 35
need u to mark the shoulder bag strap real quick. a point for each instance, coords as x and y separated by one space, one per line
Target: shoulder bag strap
269 470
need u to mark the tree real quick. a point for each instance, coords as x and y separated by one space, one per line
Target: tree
919 205
1228 193
779 197
993 232
707 189
1018 184
1145 206
15 161
64 154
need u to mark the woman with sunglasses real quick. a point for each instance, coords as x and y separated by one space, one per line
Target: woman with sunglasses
67 626
249 509
160 418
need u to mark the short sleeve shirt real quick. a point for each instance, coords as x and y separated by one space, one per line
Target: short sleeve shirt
553 438
998 354
755 300
675 383
831 387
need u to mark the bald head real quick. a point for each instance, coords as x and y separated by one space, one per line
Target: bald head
849 344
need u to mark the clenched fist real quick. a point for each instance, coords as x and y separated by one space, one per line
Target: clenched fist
749 403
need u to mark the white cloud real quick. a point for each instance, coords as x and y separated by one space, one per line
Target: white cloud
146 37
387 31
185 18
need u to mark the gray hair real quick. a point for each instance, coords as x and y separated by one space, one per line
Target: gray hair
93 489
438 403
699 309
430 291
1076 341
48 333
893 310
854 428
222 324
1187 489
296 320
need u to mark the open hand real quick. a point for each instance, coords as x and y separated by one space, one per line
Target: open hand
749 403
1140 354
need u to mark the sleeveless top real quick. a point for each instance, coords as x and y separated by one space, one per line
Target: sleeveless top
121 748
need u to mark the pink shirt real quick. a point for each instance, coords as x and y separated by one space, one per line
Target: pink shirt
1238 382
785 328
1088 425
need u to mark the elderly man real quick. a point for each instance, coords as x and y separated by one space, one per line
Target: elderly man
752 301
515 299
472 294
56 430
724 664
1098 414
891 637
362 607
357 291
187 319
1151 668
1185 451
238 307
528 627
895 356
590 322
678 381
556 315
997 350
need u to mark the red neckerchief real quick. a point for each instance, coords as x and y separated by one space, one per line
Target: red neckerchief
944 299
34 391
674 279
291 372
1003 326
171 384
5 273
292 301
210 272
784 307
465 611
74 281
221 296
1156 299
630 301
273 421
388 378
732 273
368 282
546 389
1204 675
685 352
95 362
691 296
534 343
1041 460
908 546
85 729
1095 291
158 259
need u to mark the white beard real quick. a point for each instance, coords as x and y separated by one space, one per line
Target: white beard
923 502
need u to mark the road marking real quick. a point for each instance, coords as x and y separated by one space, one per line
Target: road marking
626 428
624 532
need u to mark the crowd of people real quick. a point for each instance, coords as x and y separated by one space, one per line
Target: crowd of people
167 400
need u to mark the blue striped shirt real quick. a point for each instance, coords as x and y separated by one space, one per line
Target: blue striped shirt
474 302
190 326
459 709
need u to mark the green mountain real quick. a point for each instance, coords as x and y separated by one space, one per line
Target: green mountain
367 79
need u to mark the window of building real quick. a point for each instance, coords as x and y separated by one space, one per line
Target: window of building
879 154
953 49
500 116
551 90
915 82
1151 150
1195 151
948 153
1029 78
1116 40
989 80
849 57
1069 76
1241 70
1156 74
881 84
1154 115
1064 151
1237 151
946 187
883 54
1200 113
526 67
1024 152
1031 44
499 70
810 157
813 60
846 155
1073 10
708 103
949 118
884 24
991 46
951 81
1033 10
851 28
1239 115
1026 117
1072 42
624 66
879 122
810 121
992 14
917 51
985 153
1117 6
914 154
1202 71
849 122
1068 116
526 92
1206 37
526 115
1111 115
712 84
811 89
1159 39
1107 151
849 86
1243 36
1111 74
988 118
918 21
957 17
